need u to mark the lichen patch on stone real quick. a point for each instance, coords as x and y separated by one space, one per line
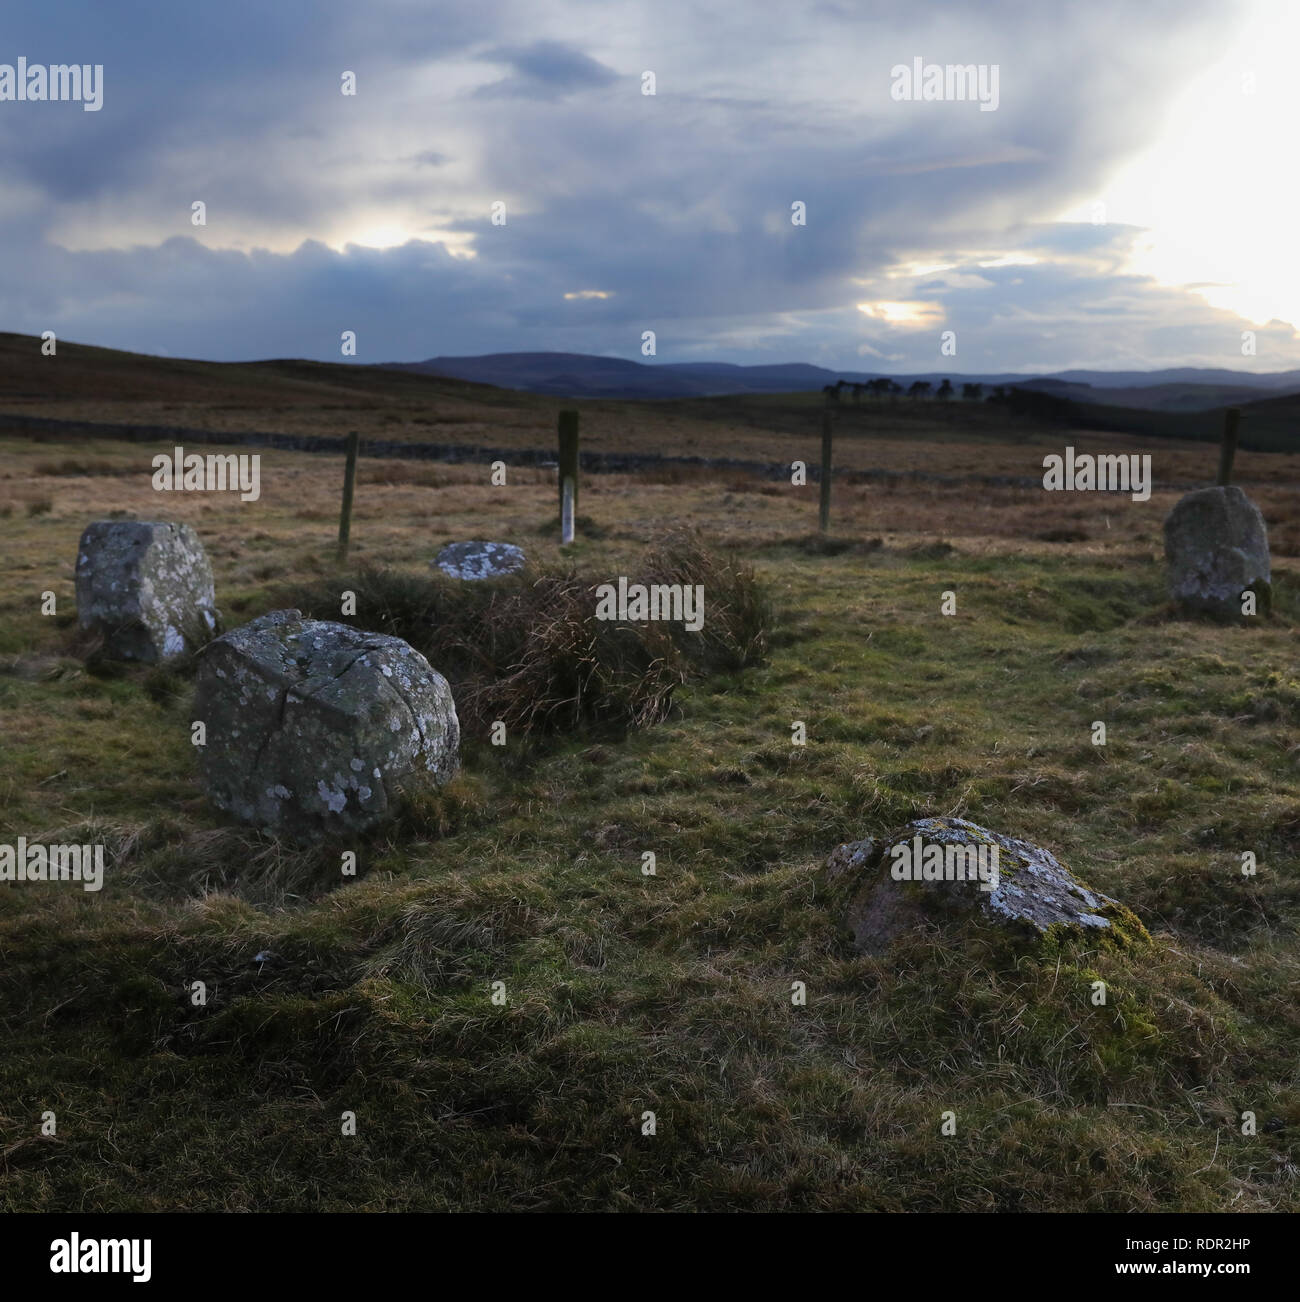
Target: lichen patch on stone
1032 890
296 708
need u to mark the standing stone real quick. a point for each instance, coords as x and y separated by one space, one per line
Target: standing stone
312 727
1025 887
146 587
1217 548
480 560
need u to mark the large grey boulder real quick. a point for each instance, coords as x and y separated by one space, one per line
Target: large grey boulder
313 727
1217 548
146 587
890 887
480 560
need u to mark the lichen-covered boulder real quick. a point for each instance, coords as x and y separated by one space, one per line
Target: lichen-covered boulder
146 587
1216 545
480 560
312 727
945 868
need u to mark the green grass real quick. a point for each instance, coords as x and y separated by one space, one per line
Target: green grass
672 994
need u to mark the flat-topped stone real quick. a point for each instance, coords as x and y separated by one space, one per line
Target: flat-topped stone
480 560
146 587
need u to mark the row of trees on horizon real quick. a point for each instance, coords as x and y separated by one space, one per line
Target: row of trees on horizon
885 388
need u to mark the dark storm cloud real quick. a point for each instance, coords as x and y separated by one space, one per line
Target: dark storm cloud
545 70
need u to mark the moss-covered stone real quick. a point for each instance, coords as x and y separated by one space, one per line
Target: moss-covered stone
950 867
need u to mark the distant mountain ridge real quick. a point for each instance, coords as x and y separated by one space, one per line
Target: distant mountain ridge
140 394
584 375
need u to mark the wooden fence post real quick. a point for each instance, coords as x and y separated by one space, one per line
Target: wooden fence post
568 474
349 482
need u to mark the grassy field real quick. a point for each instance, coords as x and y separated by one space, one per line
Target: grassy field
671 994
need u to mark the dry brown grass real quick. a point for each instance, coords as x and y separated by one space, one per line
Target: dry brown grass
405 510
529 651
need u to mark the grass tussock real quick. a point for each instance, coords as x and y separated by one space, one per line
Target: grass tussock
529 650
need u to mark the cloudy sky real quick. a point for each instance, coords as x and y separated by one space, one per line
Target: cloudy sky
1131 201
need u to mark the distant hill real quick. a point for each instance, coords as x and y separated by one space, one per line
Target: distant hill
108 374
1268 424
579 375
486 393
1167 396
583 375
1199 375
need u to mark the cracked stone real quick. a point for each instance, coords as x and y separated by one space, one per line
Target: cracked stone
294 705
